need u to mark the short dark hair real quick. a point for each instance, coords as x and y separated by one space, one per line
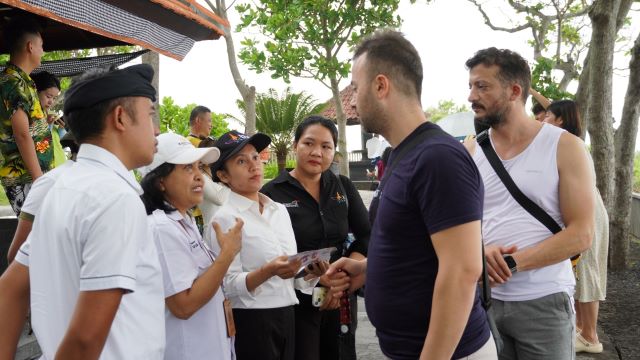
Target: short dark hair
512 67
89 122
17 30
45 80
197 111
568 111
316 120
390 53
538 108
153 198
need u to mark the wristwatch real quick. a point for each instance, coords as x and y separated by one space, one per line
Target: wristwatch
511 263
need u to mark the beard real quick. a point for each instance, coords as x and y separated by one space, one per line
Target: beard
493 118
372 118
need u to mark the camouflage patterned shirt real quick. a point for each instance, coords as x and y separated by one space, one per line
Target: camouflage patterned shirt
17 90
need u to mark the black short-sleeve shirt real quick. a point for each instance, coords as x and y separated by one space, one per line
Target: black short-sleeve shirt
435 186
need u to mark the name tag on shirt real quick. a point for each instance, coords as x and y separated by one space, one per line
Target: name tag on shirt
228 316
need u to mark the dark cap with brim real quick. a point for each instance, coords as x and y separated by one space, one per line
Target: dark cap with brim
131 81
232 142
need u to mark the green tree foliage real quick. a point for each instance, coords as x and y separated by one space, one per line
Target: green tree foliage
175 118
278 116
544 82
309 39
557 28
444 108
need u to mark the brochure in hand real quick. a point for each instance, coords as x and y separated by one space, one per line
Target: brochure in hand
310 257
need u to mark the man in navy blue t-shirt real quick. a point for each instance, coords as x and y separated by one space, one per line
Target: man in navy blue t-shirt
425 249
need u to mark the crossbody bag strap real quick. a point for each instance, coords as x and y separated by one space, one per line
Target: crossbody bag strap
531 207
485 299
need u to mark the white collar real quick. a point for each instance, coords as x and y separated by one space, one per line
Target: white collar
242 203
96 154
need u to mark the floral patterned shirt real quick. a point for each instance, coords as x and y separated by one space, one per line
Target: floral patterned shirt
17 90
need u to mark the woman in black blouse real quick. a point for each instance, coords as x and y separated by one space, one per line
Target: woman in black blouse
323 208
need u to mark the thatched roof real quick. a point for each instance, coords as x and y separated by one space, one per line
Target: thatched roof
169 27
346 96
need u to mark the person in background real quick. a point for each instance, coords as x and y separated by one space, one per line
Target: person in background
214 195
540 105
591 270
335 163
260 281
33 201
25 139
48 87
69 141
194 316
200 124
382 164
323 209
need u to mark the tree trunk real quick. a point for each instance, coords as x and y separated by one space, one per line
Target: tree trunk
247 92
342 127
583 94
153 58
603 18
281 156
625 142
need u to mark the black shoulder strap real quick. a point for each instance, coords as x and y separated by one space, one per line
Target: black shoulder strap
485 299
531 207
421 137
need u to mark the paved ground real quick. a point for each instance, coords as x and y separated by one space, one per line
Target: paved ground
367 347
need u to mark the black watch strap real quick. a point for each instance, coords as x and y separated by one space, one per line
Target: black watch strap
511 263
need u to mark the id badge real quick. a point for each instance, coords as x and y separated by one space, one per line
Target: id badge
228 316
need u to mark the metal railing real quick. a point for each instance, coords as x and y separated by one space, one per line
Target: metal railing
355 156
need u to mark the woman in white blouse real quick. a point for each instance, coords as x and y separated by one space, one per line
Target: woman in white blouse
195 315
260 281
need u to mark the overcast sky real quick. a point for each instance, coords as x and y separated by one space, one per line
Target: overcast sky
445 33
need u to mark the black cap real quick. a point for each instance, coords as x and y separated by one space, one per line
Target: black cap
131 81
230 143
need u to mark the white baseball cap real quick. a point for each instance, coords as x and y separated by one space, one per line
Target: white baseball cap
176 149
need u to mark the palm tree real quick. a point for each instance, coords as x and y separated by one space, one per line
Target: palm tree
278 116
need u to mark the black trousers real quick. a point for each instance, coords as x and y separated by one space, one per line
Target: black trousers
265 334
317 332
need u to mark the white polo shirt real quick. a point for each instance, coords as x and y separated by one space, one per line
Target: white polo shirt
184 257
95 237
32 203
264 237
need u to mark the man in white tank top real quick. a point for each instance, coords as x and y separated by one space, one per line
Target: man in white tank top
529 267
